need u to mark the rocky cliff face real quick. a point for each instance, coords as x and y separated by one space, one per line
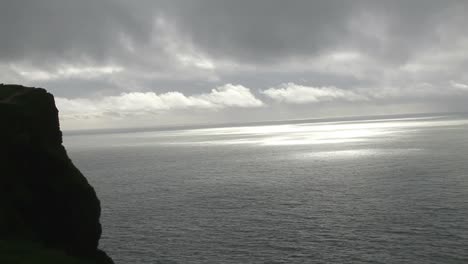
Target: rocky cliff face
44 199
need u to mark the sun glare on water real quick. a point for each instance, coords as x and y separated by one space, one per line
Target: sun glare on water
309 133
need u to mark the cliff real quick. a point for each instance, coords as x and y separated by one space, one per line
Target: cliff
49 213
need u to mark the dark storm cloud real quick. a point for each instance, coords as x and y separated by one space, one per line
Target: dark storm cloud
65 30
253 31
266 30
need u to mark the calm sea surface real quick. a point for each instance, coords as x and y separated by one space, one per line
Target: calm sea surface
358 191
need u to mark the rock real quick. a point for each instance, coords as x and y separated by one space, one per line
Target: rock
44 198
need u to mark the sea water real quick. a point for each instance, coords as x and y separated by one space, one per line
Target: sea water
365 190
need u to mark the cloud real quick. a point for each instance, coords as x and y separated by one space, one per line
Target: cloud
298 94
138 103
66 71
458 85
50 31
94 54
194 32
266 31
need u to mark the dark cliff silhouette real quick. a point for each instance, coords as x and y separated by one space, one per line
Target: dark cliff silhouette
48 210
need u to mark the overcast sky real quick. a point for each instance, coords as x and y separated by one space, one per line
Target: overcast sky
117 63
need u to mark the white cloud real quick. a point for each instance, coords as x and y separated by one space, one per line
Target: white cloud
65 71
197 61
137 103
298 94
345 56
458 85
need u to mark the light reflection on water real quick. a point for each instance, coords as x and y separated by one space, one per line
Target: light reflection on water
355 153
272 135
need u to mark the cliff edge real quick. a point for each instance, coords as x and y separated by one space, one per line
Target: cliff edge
48 210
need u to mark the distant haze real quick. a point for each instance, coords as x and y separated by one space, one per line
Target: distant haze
116 63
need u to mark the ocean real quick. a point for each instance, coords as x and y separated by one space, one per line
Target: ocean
357 190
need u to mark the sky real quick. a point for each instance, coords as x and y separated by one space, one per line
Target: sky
145 63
